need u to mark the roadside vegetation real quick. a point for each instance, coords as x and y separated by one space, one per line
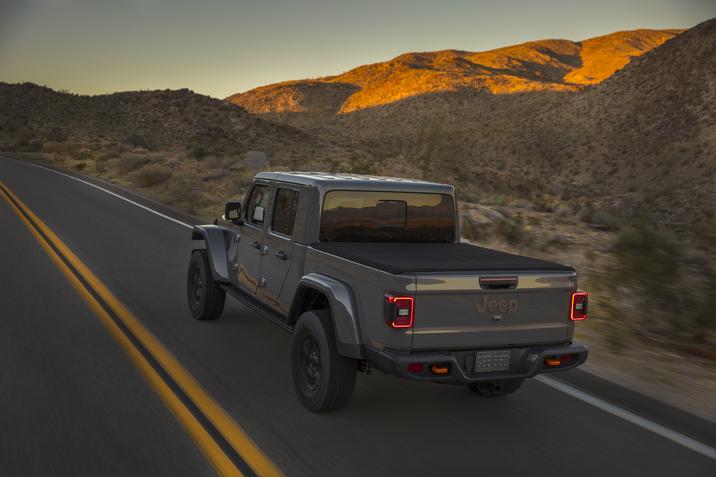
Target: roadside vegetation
653 279
647 288
652 290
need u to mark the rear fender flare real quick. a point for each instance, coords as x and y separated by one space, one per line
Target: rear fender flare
343 311
216 239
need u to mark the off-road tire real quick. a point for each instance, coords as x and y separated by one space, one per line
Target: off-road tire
496 388
324 380
206 298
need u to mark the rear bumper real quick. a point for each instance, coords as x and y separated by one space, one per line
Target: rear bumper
525 362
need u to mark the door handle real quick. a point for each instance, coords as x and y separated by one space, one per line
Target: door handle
281 255
255 244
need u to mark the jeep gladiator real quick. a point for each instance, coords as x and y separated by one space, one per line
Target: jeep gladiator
369 273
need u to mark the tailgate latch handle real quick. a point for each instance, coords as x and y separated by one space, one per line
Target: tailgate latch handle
498 283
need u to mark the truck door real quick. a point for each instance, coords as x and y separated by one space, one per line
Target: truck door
251 247
278 260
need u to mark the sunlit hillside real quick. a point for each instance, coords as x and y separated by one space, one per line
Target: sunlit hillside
546 65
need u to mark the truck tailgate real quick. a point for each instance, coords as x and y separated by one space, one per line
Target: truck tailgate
475 310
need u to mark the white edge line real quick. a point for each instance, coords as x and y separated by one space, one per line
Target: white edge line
184 224
635 419
658 429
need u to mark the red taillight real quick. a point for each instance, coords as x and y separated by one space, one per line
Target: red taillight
400 311
579 306
415 367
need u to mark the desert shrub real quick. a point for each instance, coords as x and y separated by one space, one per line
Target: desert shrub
648 259
558 241
333 165
100 166
186 192
29 145
604 219
228 161
650 277
534 220
427 141
544 204
586 214
213 162
296 163
469 229
513 231
57 135
82 154
703 228
240 180
702 317
137 139
111 154
362 166
599 218
197 152
131 162
151 175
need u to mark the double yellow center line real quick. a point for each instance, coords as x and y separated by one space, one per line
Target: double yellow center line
229 449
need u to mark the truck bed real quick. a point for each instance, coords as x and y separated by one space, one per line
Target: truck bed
408 257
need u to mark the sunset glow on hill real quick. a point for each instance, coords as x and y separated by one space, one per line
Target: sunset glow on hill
552 65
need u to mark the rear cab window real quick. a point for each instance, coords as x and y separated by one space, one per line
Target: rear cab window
375 216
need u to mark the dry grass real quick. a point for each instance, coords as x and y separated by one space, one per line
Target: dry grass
152 175
131 162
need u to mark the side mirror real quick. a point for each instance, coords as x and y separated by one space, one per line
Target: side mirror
232 212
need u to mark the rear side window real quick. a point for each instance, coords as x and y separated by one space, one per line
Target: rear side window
258 203
284 212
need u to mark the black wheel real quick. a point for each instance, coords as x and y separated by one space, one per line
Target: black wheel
324 380
206 298
497 388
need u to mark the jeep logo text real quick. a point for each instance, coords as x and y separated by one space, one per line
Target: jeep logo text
494 306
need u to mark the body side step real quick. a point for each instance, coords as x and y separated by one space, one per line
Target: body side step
258 307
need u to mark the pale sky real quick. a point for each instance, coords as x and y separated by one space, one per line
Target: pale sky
220 47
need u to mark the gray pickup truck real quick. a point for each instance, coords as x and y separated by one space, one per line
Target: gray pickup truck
369 272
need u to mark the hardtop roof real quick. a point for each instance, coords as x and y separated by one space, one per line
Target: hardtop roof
329 180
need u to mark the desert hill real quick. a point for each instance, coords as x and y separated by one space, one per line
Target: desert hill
188 150
546 65
653 126
640 142
154 120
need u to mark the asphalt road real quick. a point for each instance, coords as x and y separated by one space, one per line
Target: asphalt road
73 403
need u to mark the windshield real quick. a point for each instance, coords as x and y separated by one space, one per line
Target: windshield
364 216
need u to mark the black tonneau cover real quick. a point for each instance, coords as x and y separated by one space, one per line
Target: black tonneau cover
407 257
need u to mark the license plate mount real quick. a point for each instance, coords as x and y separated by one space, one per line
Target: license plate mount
491 361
